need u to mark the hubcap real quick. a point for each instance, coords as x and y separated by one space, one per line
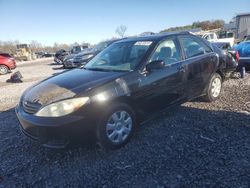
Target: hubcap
3 70
119 127
216 87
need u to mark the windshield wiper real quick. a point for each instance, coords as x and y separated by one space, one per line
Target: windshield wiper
106 70
99 69
118 70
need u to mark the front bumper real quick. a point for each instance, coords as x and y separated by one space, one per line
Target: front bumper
13 67
53 132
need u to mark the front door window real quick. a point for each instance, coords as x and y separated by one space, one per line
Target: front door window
167 51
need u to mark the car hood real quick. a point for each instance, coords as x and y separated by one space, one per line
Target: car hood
70 56
68 85
87 52
244 49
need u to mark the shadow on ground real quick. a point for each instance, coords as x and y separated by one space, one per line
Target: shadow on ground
183 147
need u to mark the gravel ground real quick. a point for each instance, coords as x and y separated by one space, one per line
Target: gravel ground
197 144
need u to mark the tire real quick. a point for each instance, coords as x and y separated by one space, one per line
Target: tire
214 89
116 127
3 69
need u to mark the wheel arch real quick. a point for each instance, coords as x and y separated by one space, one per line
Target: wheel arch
128 101
1 64
5 65
220 72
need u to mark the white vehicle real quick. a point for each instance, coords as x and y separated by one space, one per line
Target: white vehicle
223 37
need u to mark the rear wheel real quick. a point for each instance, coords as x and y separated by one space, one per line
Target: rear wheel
116 127
3 69
214 88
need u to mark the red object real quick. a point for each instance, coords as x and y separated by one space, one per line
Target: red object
237 56
8 61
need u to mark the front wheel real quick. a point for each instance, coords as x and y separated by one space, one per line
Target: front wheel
116 127
214 88
3 69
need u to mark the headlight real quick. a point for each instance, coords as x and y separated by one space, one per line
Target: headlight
62 108
86 57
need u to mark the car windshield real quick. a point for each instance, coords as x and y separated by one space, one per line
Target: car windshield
76 49
123 56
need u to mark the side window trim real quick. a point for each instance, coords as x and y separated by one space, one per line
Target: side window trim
182 56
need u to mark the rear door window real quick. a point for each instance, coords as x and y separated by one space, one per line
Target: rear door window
193 47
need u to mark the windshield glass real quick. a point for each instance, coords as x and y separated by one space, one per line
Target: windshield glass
123 56
76 49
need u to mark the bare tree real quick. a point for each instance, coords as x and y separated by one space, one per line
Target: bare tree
121 30
36 46
8 46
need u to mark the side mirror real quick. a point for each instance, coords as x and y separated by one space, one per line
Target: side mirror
154 65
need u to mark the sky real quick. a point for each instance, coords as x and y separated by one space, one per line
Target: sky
69 21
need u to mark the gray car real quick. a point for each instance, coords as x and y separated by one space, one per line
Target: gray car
86 55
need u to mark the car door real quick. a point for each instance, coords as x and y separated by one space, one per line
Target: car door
162 87
200 62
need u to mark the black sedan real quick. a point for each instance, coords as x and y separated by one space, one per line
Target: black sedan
123 85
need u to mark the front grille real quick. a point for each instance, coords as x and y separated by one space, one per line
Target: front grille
30 107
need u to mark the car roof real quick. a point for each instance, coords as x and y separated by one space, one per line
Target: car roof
4 54
110 41
155 37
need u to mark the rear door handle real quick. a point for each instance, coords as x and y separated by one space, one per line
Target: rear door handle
181 69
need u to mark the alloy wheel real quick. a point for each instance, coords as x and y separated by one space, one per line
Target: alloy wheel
3 69
216 87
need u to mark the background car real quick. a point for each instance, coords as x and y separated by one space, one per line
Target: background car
78 48
244 52
68 59
229 56
39 54
85 56
7 63
60 55
48 54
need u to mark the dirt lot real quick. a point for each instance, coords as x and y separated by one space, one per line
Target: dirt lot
197 144
32 72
